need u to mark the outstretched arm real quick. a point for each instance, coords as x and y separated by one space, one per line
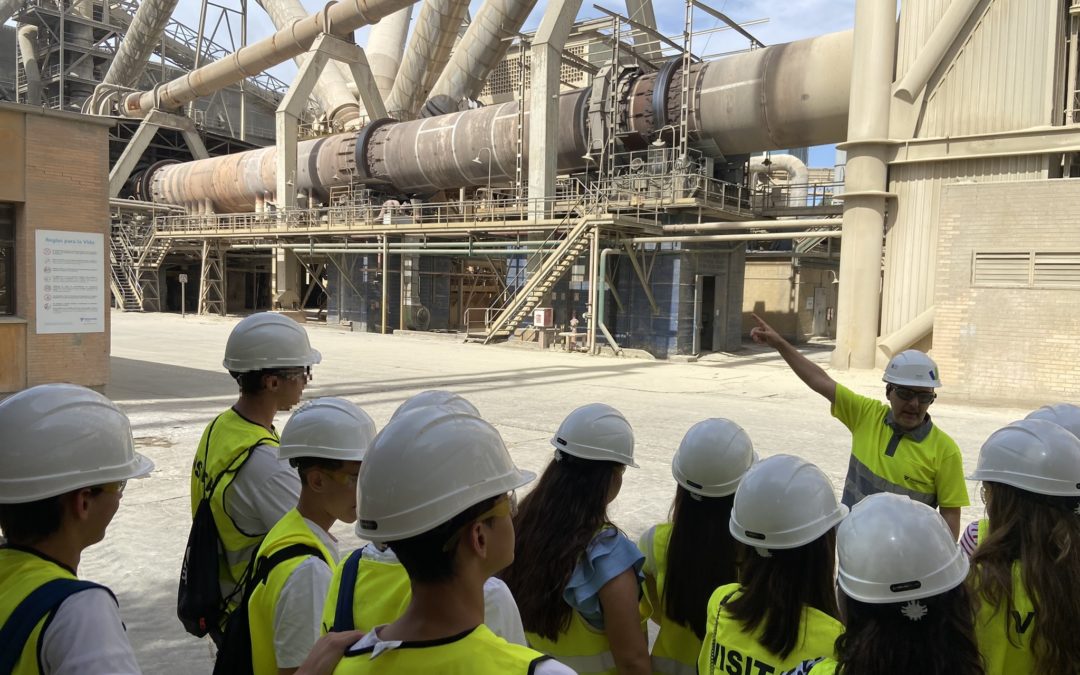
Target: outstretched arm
808 371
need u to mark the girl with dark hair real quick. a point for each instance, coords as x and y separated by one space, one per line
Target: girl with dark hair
690 556
575 576
902 584
783 611
1025 567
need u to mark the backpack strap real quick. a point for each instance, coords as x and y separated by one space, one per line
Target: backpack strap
36 606
343 613
266 565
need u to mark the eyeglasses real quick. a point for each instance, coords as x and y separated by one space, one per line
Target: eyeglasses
116 488
501 509
297 374
343 477
905 394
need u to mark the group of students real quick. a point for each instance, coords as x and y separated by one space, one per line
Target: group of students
758 570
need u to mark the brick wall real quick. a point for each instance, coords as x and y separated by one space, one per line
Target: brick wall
1008 345
67 175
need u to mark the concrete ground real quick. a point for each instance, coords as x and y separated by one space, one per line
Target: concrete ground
167 375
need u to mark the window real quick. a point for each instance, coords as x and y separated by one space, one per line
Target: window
1026 269
7 259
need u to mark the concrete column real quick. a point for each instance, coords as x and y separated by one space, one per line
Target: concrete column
285 274
865 186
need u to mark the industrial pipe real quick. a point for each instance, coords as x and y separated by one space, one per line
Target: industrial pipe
798 174
139 41
385 48
428 52
336 18
27 37
465 148
483 47
8 9
931 54
753 225
810 234
600 299
332 86
908 334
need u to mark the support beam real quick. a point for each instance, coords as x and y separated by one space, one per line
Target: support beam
138 144
754 42
641 276
642 12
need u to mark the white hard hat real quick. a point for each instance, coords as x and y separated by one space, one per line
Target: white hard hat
62 437
1065 415
893 549
436 397
268 340
332 428
912 368
713 457
784 502
598 432
1033 455
427 466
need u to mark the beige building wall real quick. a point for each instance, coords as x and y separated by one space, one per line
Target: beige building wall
799 302
1007 328
64 158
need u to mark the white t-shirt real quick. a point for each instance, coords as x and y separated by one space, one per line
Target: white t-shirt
298 613
501 614
371 639
264 490
87 637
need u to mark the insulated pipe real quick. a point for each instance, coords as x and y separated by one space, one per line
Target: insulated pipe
931 54
340 18
332 86
139 41
385 48
826 234
753 225
483 47
460 149
27 36
908 335
429 50
600 312
798 174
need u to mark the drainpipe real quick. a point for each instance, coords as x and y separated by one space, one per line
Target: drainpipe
600 301
27 37
866 184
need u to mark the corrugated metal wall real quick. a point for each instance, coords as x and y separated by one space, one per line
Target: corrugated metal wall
1000 78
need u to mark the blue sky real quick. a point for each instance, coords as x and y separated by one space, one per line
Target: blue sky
787 20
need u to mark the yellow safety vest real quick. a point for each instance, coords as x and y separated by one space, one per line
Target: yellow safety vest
729 650
381 594
21 573
676 649
262 605
1004 635
826 667
225 445
479 652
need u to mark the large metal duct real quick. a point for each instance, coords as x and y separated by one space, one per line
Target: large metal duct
386 47
802 91
331 88
483 47
27 37
8 9
429 50
798 176
340 18
139 42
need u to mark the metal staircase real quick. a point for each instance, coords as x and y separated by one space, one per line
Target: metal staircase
520 305
810 243
135 255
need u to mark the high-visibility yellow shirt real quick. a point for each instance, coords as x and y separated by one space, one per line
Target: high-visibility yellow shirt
923 464
729 650
676 649
1004 634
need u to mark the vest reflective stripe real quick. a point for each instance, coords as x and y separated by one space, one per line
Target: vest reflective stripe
582 648
676 649
862 482
381 594
262 606
223 449
480 652
21 573
729 650
1004 635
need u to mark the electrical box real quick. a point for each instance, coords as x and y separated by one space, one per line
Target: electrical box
543 317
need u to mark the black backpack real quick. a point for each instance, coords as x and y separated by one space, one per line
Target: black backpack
234 655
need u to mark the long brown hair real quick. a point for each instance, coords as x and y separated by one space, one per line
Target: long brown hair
880 640
702 555
1043 534
775 590
554 525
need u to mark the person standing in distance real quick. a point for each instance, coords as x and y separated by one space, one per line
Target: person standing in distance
236 464
65 460
895 447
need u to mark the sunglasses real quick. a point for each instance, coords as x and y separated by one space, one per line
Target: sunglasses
501 509
343 477
116 488
905 394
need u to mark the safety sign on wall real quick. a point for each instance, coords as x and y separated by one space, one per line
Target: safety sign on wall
70 282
